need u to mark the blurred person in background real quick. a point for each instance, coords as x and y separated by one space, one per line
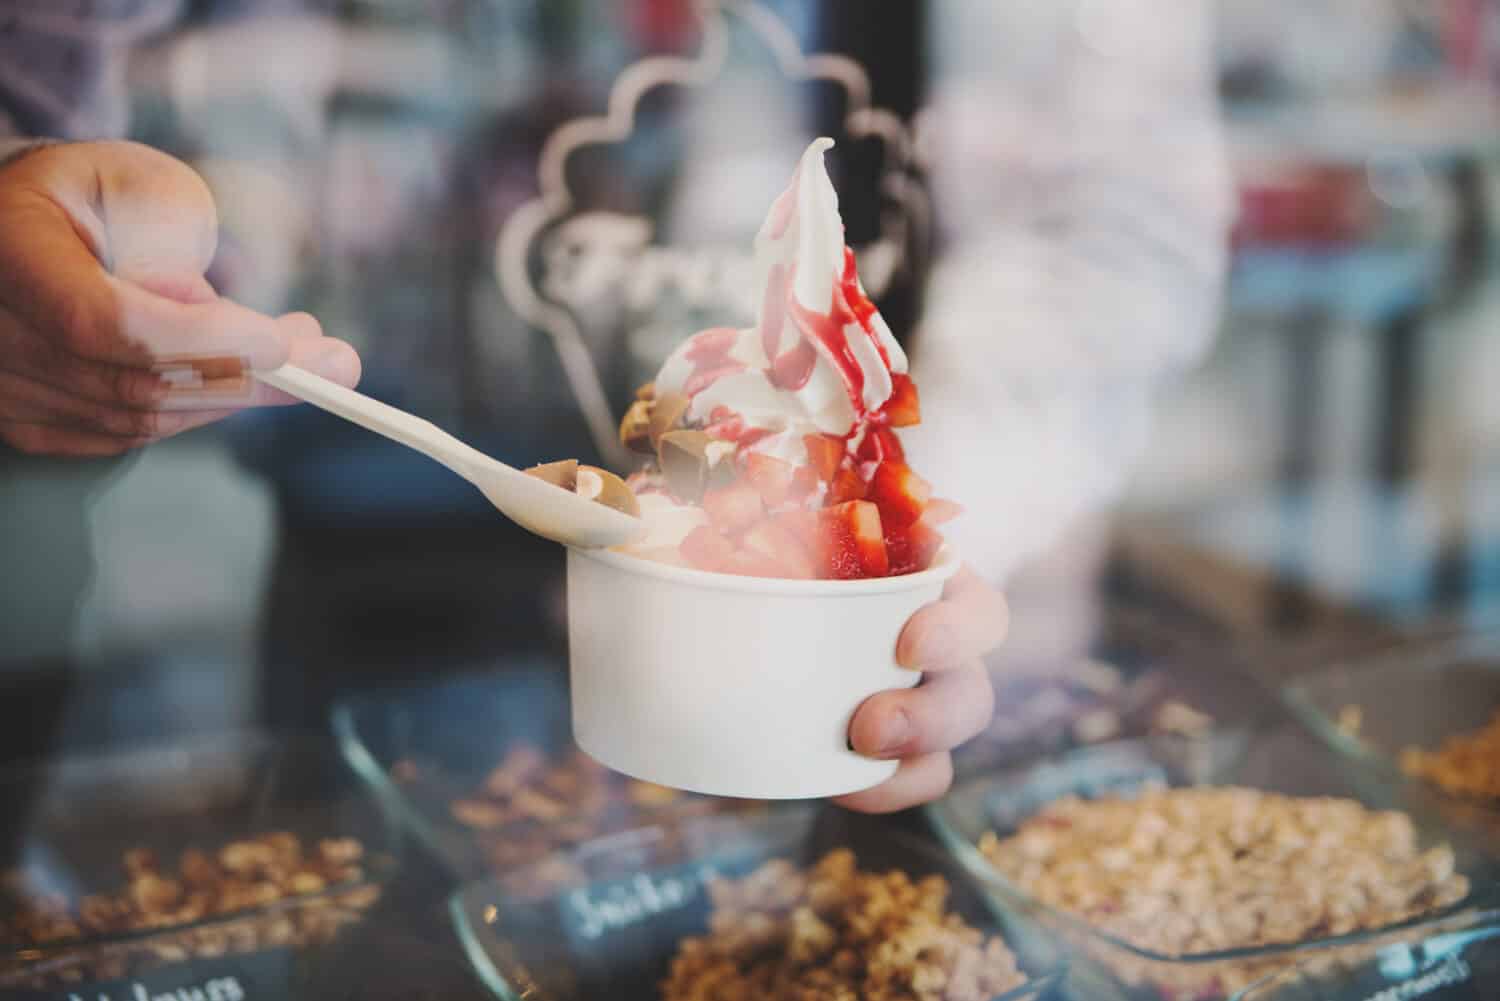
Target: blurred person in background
1082 182
106 257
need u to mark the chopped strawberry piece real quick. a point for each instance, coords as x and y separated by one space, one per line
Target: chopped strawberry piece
734 508
802 526
900 494
846 486
911 548
721 413
791 369
940 511
728 426
711 345
705 548
880 444
851 544
902 409
750 436
898 551
777 543
749 563
771 476
804 483
824 452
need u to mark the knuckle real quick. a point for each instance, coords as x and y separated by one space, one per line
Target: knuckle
942 779
131 388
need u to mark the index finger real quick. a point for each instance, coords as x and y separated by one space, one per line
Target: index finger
969 622
219 328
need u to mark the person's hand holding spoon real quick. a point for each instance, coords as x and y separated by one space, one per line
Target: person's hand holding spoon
110 335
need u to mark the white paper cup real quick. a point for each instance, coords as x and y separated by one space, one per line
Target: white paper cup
734 686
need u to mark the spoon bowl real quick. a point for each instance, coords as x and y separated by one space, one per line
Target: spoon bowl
532 503
553 512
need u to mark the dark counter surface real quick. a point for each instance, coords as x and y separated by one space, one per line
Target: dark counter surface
406 948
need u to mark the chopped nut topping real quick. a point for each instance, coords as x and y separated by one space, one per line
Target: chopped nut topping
528 807
1194 870
241 875
1466 765
835 932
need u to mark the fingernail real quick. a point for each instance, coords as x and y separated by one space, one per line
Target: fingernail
895 733
202 383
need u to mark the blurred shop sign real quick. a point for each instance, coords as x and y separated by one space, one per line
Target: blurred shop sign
607 283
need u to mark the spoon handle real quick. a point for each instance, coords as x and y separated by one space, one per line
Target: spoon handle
398 425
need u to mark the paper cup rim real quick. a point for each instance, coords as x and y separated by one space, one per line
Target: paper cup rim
944 565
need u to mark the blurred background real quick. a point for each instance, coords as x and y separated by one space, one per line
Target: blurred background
1201 299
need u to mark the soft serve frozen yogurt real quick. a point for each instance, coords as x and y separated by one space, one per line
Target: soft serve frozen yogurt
773 449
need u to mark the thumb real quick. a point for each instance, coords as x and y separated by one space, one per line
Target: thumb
143 215
159 222
149 220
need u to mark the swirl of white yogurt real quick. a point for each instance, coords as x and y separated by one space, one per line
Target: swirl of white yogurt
799 261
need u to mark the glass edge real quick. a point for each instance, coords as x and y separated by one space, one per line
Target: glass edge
472 940
1034 987
1423 652
379 869
996 887
780 826
1326 730
398 807
1484 924
474 949
54 949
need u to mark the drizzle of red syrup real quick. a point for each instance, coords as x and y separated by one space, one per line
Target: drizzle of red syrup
703 377
826 331
728 425
750 436
861 306
709 350
772 317
791 369
783 207
708 347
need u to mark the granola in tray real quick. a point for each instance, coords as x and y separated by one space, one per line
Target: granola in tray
1467 764
530 805
834 932
1197 870
271 890
1202 869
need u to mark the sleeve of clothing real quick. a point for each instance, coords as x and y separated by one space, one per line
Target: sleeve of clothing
12 146
1089 204
62 63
